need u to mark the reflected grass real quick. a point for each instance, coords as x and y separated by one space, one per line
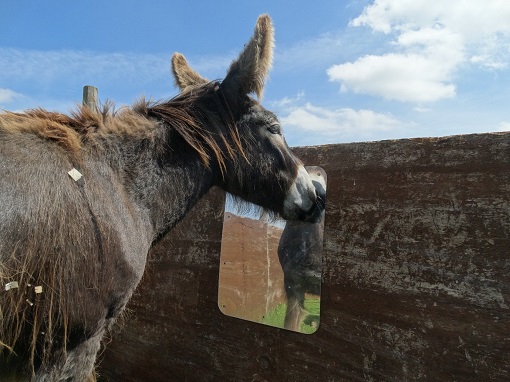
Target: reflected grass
276 317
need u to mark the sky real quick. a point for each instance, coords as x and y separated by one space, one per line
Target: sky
343 71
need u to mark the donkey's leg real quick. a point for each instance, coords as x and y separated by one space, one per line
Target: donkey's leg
80 361
294 315
91 377
78 366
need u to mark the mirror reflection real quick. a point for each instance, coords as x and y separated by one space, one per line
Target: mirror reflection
270 270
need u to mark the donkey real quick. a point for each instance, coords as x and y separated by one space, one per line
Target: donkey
83 197
300 255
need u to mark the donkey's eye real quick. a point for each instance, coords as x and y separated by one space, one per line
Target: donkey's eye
275 128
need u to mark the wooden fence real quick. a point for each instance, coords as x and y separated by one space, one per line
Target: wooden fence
416 278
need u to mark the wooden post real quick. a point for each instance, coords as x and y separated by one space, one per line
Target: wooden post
90 96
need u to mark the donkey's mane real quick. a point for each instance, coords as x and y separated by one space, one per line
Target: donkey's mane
186 114
189 114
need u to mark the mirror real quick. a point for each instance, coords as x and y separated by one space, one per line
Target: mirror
270 269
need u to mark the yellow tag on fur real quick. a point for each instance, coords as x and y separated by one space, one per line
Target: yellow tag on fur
11 285
75 174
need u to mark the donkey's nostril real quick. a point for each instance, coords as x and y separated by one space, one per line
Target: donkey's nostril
313 215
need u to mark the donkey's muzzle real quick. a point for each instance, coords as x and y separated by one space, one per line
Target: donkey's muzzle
302 198
316 212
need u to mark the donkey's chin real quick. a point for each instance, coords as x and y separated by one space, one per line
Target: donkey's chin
313 215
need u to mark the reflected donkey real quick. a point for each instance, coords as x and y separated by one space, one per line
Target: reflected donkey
300 255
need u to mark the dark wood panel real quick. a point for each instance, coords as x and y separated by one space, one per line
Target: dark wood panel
416 279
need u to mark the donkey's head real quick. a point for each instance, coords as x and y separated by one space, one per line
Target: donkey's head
263 170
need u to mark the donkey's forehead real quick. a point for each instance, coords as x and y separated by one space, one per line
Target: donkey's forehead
257 113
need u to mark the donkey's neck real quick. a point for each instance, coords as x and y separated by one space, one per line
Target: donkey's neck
174 192
164 187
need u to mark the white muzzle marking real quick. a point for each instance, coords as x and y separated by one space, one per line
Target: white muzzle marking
301 196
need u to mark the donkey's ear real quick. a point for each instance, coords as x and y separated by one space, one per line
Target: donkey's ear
248 73
184 76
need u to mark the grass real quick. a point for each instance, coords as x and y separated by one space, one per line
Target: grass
276 317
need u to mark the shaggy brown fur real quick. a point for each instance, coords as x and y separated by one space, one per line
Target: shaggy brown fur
87 125
253 73
76 134
47 125
196 125
250 70
184 75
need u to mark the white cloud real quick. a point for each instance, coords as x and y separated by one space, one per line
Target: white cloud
288 101
212 67
401 77
420 109
504 126
318 124
473 19
8 95
45 66
48 78
430 43
310 53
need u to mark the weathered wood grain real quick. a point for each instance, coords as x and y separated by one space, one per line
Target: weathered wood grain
416 278
90 98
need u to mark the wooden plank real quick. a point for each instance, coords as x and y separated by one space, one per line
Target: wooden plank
416 279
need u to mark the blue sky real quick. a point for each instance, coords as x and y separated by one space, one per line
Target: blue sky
344 71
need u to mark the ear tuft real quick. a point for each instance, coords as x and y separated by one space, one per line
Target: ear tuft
249 72
265 31
184 76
